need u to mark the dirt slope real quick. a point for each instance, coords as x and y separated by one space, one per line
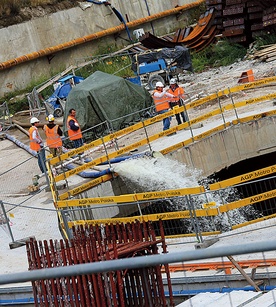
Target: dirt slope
11 15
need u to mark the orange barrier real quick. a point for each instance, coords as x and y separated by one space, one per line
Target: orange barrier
227 266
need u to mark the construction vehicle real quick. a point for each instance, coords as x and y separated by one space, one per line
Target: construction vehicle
161 65
56 102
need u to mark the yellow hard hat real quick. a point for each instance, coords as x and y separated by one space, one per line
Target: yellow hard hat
50 118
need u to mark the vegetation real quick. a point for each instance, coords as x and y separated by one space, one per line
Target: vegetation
108 61
221 54
263 40
12 7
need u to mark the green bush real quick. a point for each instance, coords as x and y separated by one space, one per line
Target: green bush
266 39
221 54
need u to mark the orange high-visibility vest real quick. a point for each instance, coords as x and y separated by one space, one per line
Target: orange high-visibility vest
179 92
53 140
33 144
73 135
161 103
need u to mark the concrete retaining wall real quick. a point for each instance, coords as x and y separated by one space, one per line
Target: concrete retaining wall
64 26
235 144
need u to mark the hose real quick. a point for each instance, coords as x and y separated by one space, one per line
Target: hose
120 159
20 144
120 17
152 28
90 174
116 12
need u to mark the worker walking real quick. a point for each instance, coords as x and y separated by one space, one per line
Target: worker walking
53 136
74 130
178 92
161 101
36 143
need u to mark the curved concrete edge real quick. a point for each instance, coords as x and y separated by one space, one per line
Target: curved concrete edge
234 144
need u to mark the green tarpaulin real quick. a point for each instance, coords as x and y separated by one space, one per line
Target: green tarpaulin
104 97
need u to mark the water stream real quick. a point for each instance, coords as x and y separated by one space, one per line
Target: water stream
160 173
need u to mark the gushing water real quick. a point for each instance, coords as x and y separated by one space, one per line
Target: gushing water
160 173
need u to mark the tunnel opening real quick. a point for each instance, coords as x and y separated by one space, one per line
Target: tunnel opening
254 187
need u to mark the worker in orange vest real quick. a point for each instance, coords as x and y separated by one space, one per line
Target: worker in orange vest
53 136
161 101
36 143
74 130
177 91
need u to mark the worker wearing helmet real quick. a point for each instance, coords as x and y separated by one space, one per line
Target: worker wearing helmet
53 136
74 130
177 91
36 143
161 101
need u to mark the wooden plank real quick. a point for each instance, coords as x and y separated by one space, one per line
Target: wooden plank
265 51
271 59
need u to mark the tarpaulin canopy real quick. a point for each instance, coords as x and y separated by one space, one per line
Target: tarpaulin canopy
179 55
104 97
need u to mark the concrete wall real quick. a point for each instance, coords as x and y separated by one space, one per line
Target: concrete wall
64 26
235 144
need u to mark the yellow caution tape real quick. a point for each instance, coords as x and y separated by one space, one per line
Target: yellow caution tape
247 201
244 178
264 218
85 186
127 198
145 218
253 117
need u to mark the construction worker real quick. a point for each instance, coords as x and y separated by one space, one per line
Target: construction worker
177 91
161 101
53 136
36 143
74 130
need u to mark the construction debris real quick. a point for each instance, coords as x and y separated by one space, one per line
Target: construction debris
267 54
243 20
132 287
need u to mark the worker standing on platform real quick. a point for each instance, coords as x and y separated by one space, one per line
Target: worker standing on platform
36 144
177 91
74 130
53 136
161 101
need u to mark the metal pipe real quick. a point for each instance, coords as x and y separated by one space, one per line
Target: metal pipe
23 300
137 262
90 37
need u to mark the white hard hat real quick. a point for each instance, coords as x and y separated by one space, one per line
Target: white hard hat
159 84
51 118
34 120
173 81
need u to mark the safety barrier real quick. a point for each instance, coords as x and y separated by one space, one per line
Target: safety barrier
185 212
124 144
71 277
121 142
22 207
151 138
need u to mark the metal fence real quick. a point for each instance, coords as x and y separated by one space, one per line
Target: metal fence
25 208
195 216
18 205
225 278
5 120
129 140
